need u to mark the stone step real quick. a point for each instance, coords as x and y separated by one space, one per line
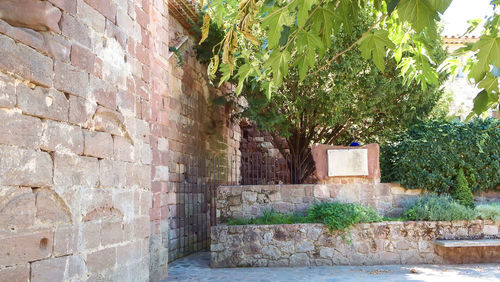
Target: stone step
468 243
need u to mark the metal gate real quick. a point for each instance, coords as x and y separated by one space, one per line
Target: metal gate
195 180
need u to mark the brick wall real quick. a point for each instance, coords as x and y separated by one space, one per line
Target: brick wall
197 130
81 87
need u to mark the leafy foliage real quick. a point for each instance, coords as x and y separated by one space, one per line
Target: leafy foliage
270 217
298 32
340 216
429 155
433 207
489 211
461 191
349 100
337 216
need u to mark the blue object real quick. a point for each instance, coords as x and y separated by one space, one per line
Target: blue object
354 144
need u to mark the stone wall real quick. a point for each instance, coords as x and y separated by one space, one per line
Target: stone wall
251 201
366 244
81 87
197 131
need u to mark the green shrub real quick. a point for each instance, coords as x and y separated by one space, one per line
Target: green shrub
270 217
489 211
462 192
433 207
429 155
340 216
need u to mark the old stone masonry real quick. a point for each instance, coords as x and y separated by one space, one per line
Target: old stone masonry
94 115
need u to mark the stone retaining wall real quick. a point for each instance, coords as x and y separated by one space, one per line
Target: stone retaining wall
367 244
252 200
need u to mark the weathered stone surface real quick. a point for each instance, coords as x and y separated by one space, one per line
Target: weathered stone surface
24 167
42 102
385 198
58 269
72 170
66 5
112 174
37 15
106 8
72 28
19 272
290 245
80 111
90 16
17 207
138 175
71 80
101 260
22 248
82 58
50 208
109 121
20 130
98 144
104 93
25 62
7 91
62 137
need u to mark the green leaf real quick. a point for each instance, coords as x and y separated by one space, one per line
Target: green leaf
440 5
373 44
489 50
278 61
391 6
303 11
243 73
419 13
483 101
275 23
489 83
285 33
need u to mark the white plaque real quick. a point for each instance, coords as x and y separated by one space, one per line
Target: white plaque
348 162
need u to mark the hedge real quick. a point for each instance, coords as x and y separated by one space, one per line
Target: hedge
430 154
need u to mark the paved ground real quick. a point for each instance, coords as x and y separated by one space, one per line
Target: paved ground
195 268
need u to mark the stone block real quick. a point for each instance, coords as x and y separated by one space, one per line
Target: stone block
123 149
25 61
104 93
71 80
129 253
91 235
82 58
112 174
17 207
7 91
90 16
98 144
66 5
62 137
101 260
105 7
17 248
65 240
24 167
138 175
299 259
161 173
80 110
111 233
42 102
109 121
50 208
72 28
58 269
57 46
16 273
20 130
72 170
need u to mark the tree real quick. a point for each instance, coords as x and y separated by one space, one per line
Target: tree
281 33
349 100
